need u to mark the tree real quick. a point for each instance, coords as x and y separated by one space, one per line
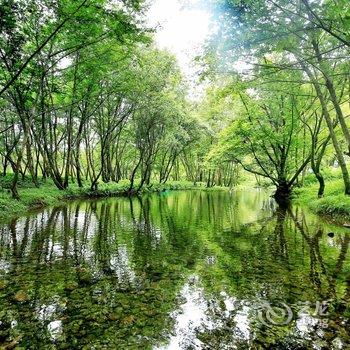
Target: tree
266 137
293 36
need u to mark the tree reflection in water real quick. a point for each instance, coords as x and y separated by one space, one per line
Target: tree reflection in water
187 270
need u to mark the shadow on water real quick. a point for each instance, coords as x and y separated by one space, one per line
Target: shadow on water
189 270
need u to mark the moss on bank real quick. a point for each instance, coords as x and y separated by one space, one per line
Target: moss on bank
334 204
32 198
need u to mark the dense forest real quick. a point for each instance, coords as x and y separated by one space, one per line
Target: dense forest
87 97
158 198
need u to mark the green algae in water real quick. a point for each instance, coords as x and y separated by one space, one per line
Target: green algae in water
189 270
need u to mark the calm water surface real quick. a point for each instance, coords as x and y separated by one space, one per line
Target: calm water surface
179 270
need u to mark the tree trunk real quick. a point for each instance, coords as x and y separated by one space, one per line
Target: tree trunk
337 148
283 193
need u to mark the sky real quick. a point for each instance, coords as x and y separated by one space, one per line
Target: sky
182 28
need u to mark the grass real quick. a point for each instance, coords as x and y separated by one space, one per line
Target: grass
48 195
334 204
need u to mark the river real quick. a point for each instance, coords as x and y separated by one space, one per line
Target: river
175 270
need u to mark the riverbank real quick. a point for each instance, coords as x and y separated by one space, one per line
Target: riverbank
32 198
334 204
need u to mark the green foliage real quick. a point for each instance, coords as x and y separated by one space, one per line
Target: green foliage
266 135
90 98
334 204
32 198
329 175
25 182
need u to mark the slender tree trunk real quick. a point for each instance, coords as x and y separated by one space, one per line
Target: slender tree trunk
337 148
17 165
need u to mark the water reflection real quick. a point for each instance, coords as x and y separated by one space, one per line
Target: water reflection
191 270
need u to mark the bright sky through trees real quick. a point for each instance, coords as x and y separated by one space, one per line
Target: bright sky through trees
182 28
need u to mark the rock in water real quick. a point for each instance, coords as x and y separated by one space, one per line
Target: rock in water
21 296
